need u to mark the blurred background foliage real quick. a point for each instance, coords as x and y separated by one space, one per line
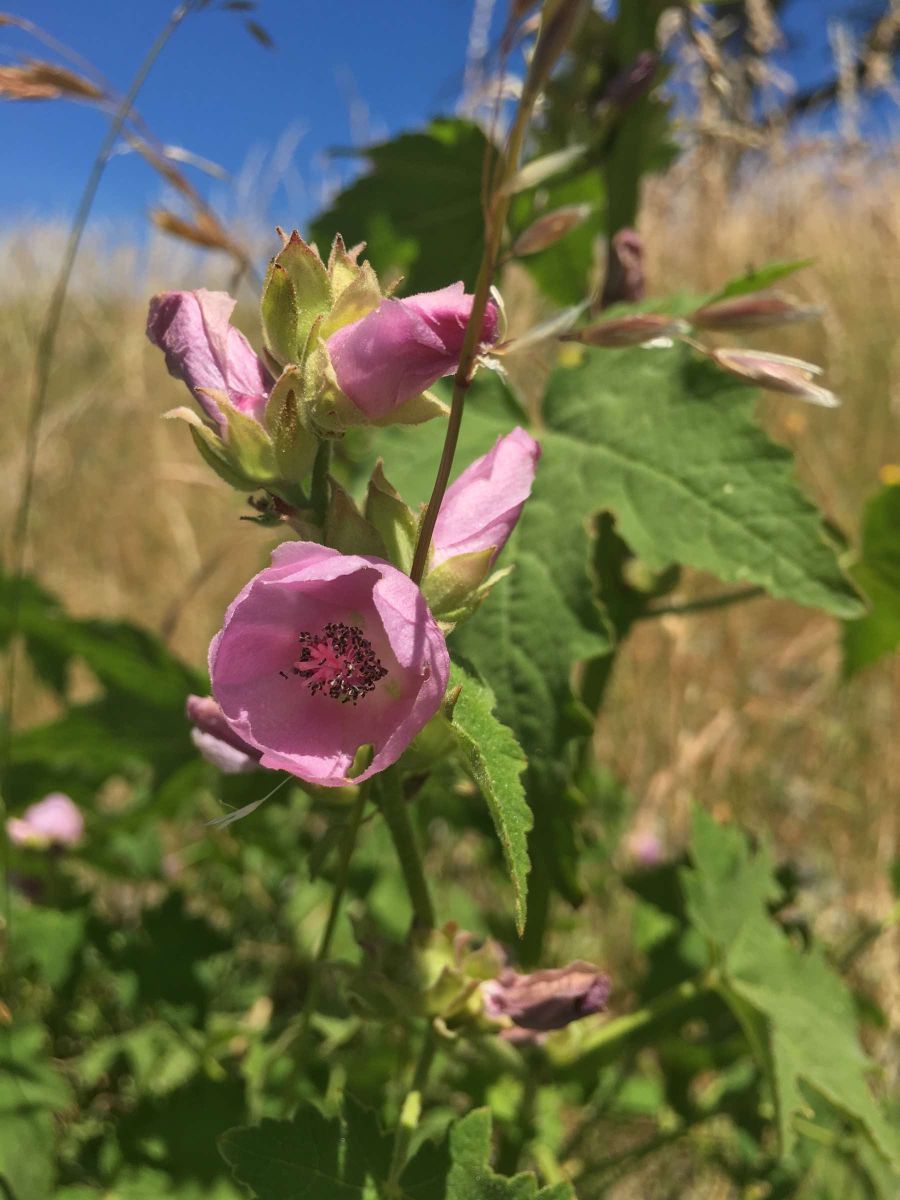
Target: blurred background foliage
153 976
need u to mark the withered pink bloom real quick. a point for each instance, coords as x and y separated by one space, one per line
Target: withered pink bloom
625 281
54 821
403 347
482 506
203 349
777 373
216 740
324 653
548 999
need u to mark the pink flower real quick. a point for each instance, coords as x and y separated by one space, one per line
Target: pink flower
482 506
204 350
215 739
54 821
323 653
403 347
548 999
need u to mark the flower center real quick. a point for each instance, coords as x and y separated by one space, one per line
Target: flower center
338 661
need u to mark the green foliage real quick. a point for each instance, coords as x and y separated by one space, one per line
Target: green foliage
418 208
496 762
759 278
877 573
798 1016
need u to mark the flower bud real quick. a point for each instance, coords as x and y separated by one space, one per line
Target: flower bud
215 739
393 354
54 821
548 229
549 999
482 506
757 310
776 373
637 329
625 282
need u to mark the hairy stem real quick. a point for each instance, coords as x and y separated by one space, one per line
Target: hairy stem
348 843
550 45
392 802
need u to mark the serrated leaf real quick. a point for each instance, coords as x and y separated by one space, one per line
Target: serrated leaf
798 1015
471 1176
670 447
419 207
496 762
878 575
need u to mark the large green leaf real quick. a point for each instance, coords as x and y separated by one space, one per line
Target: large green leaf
419 207
878 575
470 1176
669 445
798 1015
31 1091
496 762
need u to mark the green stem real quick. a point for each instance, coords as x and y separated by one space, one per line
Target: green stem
392 802
703 604
340 886
550 45
409 1113
610 1038
318 490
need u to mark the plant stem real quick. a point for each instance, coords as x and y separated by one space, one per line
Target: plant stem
318 490
703 604
551 42
608 1039
340 886
409 1113
393 805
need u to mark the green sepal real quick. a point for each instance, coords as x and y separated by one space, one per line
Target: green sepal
247 445
450 586
342 265
286 419
297 291
212 449
393 519
280 314
347 530
360 296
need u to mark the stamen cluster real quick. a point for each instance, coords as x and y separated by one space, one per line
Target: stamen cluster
340 660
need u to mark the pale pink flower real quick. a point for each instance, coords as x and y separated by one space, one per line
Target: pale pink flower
215 739
203 349
403 347
54 821
482 506
324 653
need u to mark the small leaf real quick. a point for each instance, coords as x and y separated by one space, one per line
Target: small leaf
539 170
757 280
878 575
496 762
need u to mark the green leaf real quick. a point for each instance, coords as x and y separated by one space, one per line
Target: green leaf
755 280
31 1092
878 575
670 447
310 1156
798 1015
496 762
419 207
471 1177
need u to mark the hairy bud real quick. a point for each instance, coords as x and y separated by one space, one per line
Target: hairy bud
757 310
637 329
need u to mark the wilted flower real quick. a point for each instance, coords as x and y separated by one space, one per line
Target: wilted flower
548 999
323 654
756 310
203 349
54 821
778 373
636 329
216 740
482 506
403 347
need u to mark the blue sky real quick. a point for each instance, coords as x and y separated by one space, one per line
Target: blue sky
341 69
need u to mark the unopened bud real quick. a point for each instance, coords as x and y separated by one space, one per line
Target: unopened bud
776 373
548 229
757 310
637 329
625 282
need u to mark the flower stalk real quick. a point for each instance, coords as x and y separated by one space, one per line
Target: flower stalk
392 802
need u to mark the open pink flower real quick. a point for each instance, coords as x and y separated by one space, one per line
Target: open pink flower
403 347
54 821
482 506
216 740
203 349
323 653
